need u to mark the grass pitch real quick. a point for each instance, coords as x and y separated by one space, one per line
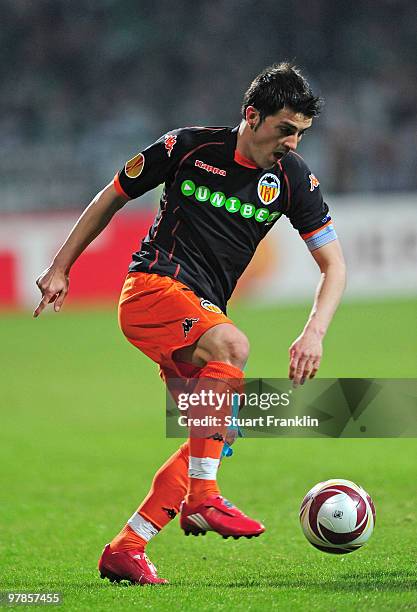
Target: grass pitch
82 432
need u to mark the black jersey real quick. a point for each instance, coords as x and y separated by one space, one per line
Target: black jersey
215 207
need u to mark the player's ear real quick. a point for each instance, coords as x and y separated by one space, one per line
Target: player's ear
252 117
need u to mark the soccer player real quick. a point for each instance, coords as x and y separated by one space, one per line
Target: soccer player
224 189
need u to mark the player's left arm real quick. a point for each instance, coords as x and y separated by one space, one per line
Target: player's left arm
306 351
309 214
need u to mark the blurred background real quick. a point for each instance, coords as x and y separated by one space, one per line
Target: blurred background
88 84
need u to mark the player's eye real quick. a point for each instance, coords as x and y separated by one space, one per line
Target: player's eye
286 132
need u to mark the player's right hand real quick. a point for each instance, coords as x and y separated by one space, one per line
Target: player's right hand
53 284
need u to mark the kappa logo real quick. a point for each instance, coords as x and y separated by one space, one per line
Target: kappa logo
187 325
268 188
314 182
134 167
338 514
217 436
210 306
209 168
170 142
171 512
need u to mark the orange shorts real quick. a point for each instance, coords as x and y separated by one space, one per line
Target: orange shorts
160 315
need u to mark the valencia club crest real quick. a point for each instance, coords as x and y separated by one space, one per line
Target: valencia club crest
268 188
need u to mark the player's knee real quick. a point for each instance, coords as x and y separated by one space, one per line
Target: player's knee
238 350
232 346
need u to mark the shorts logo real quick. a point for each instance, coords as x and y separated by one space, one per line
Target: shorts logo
134 166
187 325
210 306
171 512
268 188
170 142
314 182
217 436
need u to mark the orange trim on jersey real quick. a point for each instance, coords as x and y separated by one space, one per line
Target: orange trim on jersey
119 188
306 236
244 161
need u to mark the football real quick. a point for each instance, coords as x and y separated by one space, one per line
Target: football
337 516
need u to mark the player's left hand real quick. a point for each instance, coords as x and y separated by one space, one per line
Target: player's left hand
305 356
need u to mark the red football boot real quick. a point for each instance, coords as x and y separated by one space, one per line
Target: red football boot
218 514
132 565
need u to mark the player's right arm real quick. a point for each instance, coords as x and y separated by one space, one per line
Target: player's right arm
140 174
53 283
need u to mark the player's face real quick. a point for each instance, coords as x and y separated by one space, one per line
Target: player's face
276 135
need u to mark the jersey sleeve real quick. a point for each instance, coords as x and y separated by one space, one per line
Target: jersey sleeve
308 212
152 166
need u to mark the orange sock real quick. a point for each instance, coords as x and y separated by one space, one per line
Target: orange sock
127 539
168 489
160 505
205 452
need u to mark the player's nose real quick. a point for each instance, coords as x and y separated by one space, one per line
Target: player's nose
291 142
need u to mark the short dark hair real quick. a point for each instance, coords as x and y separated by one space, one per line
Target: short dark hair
278 86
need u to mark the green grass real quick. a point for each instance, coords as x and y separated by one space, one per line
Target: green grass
82 433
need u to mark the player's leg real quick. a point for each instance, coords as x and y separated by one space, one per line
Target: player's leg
169 485
224 350
140 310
171 482
139 313
160 506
